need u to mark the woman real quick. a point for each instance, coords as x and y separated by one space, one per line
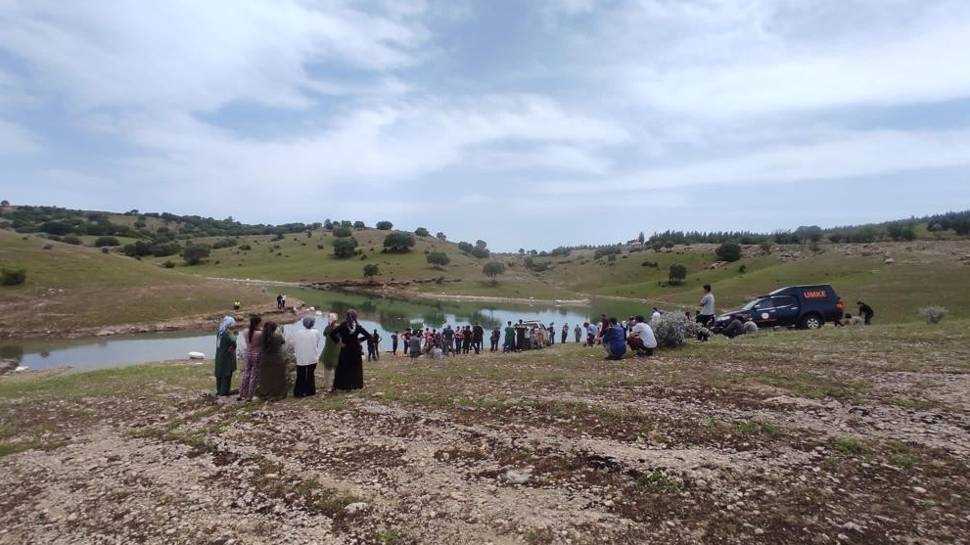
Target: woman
350 368
225 364
250 378
614 340
272 368
331 353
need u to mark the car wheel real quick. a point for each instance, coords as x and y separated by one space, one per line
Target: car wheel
812 321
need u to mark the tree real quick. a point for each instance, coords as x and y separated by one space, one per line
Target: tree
465 247
641 238
342 232
193 254
493 269
438 259
102 242
384 225
896 231
677 275
359 225
399 242
441 236
481 244
371 270
729 251
422 232
344 247
480 253
327 224
5 203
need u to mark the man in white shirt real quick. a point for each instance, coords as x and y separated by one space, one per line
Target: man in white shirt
641 339
706 317
307 346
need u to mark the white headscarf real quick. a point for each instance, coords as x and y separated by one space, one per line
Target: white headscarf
227 322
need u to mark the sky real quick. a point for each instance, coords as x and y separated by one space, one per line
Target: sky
524 123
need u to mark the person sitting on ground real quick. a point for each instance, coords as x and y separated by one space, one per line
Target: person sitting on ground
614 340
641 339
307 346
734 328
749 326
850 320
590 333
866 312
656 313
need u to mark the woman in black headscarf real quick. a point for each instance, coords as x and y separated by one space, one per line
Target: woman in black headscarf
350 368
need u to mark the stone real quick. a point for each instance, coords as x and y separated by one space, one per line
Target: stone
356 507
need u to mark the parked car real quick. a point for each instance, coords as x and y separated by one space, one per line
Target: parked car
806 307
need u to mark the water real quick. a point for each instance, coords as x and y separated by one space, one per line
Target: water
384 315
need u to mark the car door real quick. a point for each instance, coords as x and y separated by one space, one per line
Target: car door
785 310
763 313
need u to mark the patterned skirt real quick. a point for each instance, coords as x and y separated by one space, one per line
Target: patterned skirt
250 377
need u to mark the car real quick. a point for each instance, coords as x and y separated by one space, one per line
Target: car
806 307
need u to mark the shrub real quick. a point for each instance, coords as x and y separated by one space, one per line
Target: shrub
71 239
193 254
342 232
670 329
609 250
466 247
102 242
245 247
729 251
385 225
359 225
836 237
13 277
493 268
536 265
399 242
56 227
225 243
105 250
438 259
765 248
899 231
651 264
344 247
371 269
933 315
422 232
743 269
677 274
480 253
169 264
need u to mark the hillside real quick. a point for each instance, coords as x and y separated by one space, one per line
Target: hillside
71 287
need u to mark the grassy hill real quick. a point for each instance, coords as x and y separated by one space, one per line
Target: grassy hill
75 287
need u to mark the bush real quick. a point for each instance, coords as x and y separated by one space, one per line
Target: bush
105 250
899 231
399 242
56 227
71 239
438 259
13 277
651 264
371 269
729 251
441 236
385 225
536 265
743 269
245 247
677 274
225 243
480 253
933 315
671 330
344 247
102 242
358 225
342 231
193 254
609 250
422 232
169 264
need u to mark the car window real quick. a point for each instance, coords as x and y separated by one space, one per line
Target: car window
783 301
763 304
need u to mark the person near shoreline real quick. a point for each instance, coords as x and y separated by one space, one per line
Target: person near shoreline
565 333
552 334
706 316
373 347
414 345
641 339
478 337
394 343
272 366
578 333
614 340
331 353
279 301
591 332
308 344
520 331
493 340
350 368
509 338
250 376
448 340
225 360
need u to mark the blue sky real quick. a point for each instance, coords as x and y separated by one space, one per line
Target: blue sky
528 124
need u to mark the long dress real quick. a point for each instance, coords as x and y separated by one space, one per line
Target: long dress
350 368
225 362
272 370
329 357
250 377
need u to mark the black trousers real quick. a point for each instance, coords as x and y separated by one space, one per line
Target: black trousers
494 345
306 384
222 385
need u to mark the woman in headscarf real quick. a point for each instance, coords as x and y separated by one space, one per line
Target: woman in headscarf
331 353
250 377
225 364
272 367
350 368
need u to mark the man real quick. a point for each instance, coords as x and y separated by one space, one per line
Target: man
279 301
866 312
509 337
307 347
520 336
565 333
642 340
394 343
552 334
466 339
373 347
478 337
591 332
493 340
578 332
706 316
614 340
449 340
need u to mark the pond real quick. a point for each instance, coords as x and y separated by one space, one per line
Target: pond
383 314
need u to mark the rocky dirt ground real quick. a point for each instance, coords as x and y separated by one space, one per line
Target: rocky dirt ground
838 436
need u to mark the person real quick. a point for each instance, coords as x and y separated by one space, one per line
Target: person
530 335
749 326
706 316
866 312
509 338
236 305
552 334
448 340
225 361
272 367
851 320
458 339
478 337
520 331
656 313
602 327
279 301
564 334
283 295
734 328
373 347
331 353
415 346
578 333
641 339
350 367
394 343
590 333
614 340
839 312
250 376
307 347
496 335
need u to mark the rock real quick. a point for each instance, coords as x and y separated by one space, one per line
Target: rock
889 261
7 365
356 507
919 490
513 476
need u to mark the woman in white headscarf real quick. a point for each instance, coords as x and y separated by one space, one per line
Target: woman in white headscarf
225 364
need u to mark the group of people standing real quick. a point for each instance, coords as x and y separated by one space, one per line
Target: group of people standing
338 348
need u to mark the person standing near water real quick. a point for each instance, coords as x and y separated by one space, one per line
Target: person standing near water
565 333
374 347
307 346
578 332
225 363
250 377
272 368
331 353
394 343
350 369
